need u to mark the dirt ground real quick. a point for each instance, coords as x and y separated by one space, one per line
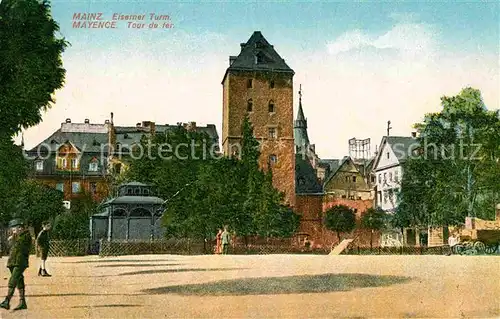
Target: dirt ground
277 286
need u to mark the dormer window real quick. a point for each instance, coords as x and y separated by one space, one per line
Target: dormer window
271 107
39 166
250 105
93 166
249 83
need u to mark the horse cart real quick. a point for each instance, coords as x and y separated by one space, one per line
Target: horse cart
478 241
480 236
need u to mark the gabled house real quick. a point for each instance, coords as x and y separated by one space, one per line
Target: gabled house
393 152
388 169
348 182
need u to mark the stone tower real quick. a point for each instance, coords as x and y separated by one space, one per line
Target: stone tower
259 83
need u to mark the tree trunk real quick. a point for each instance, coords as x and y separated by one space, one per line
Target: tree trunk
338 236
371 240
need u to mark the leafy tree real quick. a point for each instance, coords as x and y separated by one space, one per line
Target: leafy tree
374 220
13 170
74 223
340 219
457 171
30 63
30 71
38 203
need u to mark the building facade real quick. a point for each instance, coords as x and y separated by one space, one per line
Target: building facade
393 152
82 157
259 84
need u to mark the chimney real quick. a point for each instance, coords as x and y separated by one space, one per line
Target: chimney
414 134
87 121
146 123
105 122
138 125
191 126
242 45
152 128
111 117
68 120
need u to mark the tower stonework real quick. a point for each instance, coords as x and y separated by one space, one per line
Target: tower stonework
259 83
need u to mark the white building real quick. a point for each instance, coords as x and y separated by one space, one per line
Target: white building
392 153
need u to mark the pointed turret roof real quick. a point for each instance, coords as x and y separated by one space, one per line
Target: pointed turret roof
300 125
258 55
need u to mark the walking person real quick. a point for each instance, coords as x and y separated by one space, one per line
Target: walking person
218 242
18 262
43 244
225 241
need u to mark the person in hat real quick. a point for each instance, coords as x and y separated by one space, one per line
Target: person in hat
42 242
18 262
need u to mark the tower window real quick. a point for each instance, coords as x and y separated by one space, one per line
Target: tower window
271 84
271 107
249 105
272 133
354 179
249 83
273 159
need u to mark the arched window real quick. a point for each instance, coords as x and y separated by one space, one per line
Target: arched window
140 212
250 105
120 212
271 107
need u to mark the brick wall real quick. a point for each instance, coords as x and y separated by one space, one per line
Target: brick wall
360 207
235 101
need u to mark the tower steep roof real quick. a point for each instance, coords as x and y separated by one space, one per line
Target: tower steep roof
257 54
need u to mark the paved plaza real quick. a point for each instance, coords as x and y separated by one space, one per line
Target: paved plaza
277 286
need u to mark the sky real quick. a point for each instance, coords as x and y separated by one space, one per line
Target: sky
359 64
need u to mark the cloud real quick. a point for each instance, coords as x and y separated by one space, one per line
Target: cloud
363 80
410 39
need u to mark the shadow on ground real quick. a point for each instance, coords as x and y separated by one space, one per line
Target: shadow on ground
114 261
135 265
78 295
107 306
282 285
162 271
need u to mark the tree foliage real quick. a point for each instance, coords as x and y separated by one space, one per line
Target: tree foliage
374 219
74 223
38 203
205 193
340 219
13 170
457 172
30 63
